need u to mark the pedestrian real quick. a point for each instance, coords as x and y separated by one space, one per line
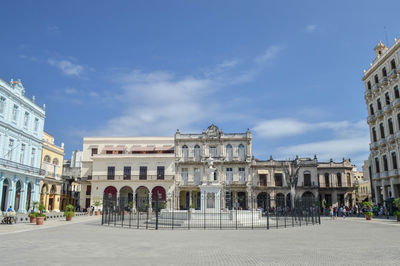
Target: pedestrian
9 209
331 212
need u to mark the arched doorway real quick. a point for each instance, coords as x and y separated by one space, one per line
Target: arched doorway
263 200
307 198
4 195
184 200
280 200
28 197
126 197
17 195
242 200
158 192
43 195
142 198
110 192
52 197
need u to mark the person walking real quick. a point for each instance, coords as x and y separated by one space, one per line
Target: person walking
331 212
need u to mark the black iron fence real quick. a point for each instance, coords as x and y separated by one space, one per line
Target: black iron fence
147 213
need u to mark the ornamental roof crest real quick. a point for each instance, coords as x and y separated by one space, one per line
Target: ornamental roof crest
213 131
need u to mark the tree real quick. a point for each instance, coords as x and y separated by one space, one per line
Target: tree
291 169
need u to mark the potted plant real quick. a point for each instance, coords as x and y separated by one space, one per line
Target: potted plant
40 216
396 203
97 204
33 214
368 214
69 212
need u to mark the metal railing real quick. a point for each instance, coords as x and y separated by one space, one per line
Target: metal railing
258 213
21 167
133 177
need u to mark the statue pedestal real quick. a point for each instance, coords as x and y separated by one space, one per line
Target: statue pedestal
210 197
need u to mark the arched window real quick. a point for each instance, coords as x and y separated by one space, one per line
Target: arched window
390 123
387 98
47 159
307 178
348 180
384 73
369 85
396 92
379 104
197 153
326 179
376 79
371 109
382 129
229 152
185 152
374 134
339 179
55 167
241 152
394 160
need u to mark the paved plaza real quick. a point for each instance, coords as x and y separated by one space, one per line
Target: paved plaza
352 241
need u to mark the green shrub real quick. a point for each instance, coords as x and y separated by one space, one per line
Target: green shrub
370 214
396 203
42 208
69 214
69 208
368 204
397 213
38 214
33 214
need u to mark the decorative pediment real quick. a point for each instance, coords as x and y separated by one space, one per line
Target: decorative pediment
213 131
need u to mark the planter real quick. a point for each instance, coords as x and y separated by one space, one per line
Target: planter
32 220
96 212
368 217
68 218
39 220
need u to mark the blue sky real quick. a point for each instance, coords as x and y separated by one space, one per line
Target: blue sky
288 70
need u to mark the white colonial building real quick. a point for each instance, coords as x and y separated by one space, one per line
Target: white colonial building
382 97
126 168
21 132
227 180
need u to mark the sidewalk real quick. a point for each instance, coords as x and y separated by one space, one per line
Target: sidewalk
379 220
24 227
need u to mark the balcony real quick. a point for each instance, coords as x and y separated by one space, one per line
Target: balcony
390 138
367 93
396 102
393 172
7 164
378 113
387 107
393 73
134 178
373 145
371 118
309 185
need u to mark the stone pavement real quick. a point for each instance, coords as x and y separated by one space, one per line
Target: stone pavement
350 241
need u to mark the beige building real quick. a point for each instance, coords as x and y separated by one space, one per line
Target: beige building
363 183
127 168
336 183
270 181
382 97
52 164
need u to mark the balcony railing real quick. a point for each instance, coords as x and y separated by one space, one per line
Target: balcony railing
133 178
21 167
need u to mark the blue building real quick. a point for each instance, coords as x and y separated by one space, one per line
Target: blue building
21 132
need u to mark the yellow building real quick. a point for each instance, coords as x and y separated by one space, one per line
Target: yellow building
52 164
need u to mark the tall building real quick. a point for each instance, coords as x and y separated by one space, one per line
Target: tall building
128 168
382 97
21 133
52 164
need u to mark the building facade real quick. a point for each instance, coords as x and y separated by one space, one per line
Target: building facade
336 183
134 169
363 183
382 97
231 154
71 186
21 132
52 164
270 182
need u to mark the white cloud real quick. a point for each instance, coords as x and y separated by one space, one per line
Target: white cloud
269 54
311 28
335 148
70 91
283 127
67 67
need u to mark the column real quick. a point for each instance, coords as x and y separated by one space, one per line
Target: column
334 198
1 188
22 200
392 187
377 195
384 190
190 198
11 197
